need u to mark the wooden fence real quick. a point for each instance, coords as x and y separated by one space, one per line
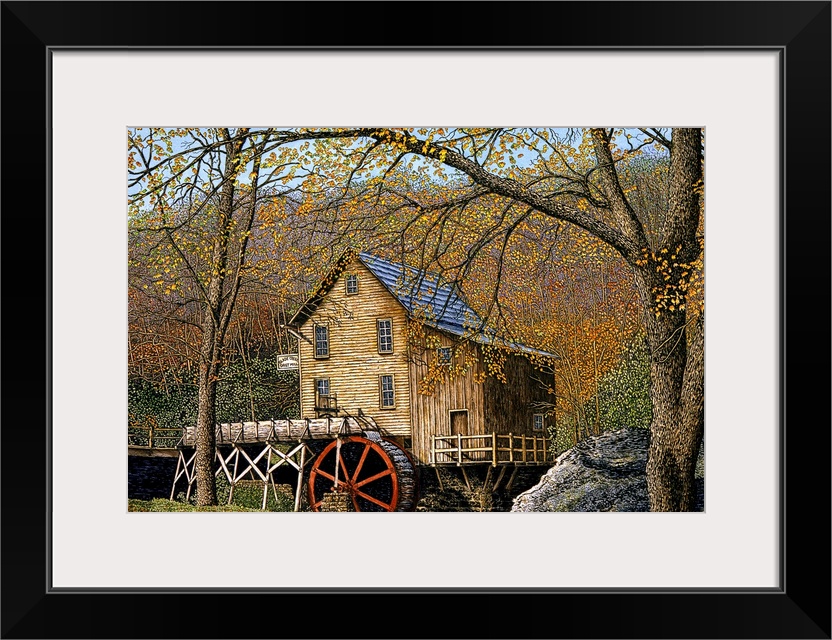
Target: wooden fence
153 437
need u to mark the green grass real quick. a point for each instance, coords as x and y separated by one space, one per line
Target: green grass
248 496
161 504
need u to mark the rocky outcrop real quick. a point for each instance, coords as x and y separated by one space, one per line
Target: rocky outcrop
602 473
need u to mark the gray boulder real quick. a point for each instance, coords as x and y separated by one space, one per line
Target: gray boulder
602 473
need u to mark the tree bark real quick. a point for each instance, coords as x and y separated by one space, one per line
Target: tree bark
213 333
676 339
206 486
677 395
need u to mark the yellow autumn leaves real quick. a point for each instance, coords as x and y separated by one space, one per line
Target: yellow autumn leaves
676 281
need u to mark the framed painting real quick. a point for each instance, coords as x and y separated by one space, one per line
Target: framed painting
748 78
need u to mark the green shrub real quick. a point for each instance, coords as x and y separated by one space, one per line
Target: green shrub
623 399
561 436
274 393
270 392
624 394
149 405
248 495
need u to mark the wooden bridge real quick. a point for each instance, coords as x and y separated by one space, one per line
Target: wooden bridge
153 442
282 443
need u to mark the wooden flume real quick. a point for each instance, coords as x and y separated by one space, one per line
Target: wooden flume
377 474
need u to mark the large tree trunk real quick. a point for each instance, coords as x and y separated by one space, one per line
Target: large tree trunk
206 486
677 395
215 321
676 337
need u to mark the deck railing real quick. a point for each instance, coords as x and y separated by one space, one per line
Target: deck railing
492 448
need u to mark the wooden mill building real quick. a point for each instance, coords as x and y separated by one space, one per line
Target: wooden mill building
375 333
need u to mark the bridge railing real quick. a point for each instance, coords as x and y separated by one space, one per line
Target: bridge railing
153 437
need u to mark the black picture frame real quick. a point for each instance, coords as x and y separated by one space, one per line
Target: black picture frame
800 608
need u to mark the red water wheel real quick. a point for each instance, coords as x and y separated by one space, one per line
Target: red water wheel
377 474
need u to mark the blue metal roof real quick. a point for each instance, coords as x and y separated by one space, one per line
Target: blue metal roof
437 304
423 295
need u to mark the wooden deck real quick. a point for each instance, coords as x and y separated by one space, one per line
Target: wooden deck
495 449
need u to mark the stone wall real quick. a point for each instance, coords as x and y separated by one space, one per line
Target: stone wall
337 502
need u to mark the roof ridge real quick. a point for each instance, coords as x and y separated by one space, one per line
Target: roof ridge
442 302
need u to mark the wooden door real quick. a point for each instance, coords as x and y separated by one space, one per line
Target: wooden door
459 422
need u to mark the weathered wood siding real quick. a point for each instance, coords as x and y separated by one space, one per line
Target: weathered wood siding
431 413
508 405
355 364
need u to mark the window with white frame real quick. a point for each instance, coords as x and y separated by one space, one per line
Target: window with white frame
352 284
321 341
537 422
385 335
387 392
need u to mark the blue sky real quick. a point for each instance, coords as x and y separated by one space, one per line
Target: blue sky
526 160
